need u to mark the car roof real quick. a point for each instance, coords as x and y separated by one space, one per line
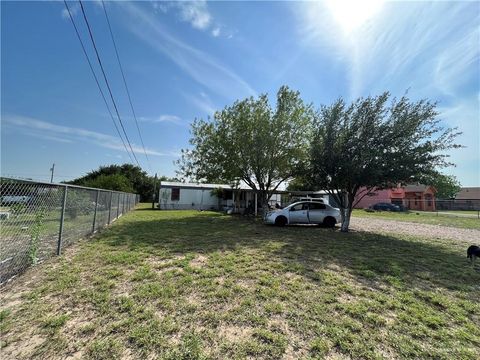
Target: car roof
306 202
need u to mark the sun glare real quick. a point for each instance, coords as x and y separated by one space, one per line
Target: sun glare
350 14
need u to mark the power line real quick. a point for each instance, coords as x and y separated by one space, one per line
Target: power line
125 83
96 79
106 80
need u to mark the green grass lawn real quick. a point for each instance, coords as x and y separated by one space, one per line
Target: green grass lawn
422 217
201 285
460 212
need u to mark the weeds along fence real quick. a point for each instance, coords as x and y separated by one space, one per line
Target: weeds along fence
38 220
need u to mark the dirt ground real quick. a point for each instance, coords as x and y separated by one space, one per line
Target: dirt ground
415 229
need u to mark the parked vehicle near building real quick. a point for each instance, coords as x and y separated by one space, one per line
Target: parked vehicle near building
386 207
304 212
15 199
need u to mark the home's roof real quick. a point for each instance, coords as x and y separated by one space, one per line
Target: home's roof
469 193
171 184
201 186
416 188
304 192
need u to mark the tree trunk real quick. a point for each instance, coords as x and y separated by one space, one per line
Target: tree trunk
264 202
346 213
342 214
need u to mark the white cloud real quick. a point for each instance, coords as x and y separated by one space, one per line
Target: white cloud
202 102
46 130
199 65
162 118
158 6
216 32
456 61
47 137
196 13
74 8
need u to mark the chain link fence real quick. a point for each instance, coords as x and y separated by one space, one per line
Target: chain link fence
38 220
469 208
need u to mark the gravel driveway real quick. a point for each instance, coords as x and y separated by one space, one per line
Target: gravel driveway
415 229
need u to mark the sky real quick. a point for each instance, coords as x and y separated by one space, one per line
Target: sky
185 60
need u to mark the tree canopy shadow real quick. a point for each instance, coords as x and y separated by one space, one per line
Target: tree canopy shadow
371 258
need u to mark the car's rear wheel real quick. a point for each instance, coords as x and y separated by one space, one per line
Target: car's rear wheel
329 222
281 221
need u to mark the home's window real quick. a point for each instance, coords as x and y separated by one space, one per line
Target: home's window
175 194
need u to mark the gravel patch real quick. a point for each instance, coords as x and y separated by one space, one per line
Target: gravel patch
415 229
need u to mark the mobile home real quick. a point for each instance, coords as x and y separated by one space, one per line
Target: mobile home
184 196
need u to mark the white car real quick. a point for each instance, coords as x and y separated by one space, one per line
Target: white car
304 212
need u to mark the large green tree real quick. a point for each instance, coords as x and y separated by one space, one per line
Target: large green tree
447 186
250 141
126 177
373 144
117 182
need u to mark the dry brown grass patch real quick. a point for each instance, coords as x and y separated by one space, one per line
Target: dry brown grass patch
23 348
199 261
234 333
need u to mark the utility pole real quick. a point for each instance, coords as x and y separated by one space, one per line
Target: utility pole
154 191
52 169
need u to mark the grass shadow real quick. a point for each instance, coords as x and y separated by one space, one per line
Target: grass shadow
395 260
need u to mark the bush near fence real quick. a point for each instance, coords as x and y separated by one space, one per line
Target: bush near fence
38 220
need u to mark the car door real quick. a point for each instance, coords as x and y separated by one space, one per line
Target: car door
316 212
298 214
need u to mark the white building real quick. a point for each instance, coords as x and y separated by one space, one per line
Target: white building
185 196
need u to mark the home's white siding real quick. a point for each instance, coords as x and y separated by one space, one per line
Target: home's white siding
198 199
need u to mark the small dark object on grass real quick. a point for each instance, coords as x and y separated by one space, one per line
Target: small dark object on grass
369 210
473 252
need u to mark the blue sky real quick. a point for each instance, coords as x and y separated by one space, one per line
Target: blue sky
185 60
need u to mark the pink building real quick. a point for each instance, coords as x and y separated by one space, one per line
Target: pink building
413 197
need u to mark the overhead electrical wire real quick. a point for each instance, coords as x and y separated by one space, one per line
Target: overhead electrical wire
125 83
106 80
96 79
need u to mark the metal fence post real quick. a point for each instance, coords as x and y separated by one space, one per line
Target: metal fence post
118 205
95 212
110 208
62 218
